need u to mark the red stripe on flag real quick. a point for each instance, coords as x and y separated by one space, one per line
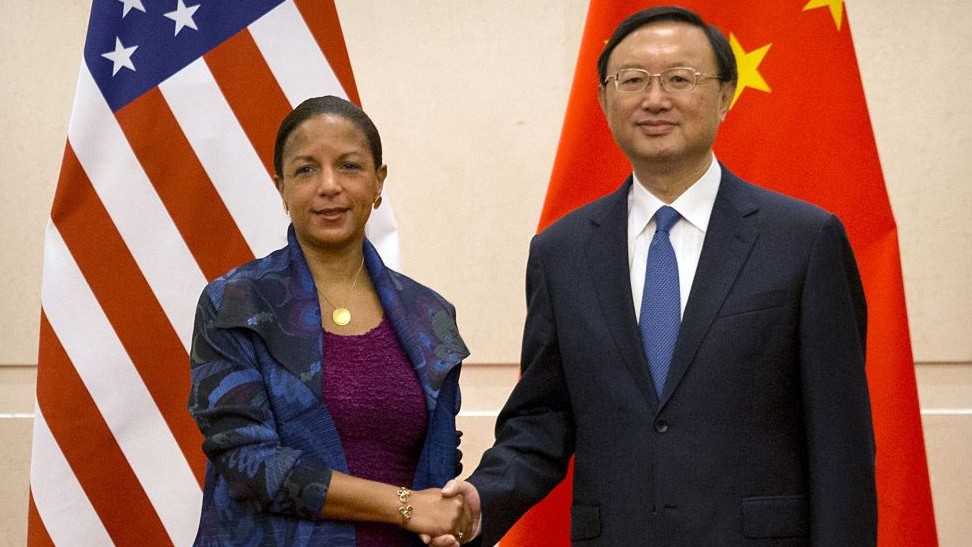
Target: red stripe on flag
322 19
171 165
117 283
90 449
251 90
37 535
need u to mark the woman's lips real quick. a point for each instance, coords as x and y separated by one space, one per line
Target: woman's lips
331 213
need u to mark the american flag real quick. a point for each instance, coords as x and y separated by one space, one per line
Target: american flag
166 183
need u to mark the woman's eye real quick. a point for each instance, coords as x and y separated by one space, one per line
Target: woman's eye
350 166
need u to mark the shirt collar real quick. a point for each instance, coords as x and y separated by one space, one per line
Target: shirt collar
694 205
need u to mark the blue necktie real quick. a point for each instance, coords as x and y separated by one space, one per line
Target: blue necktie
660 303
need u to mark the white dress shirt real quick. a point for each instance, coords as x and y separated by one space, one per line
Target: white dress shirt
687 235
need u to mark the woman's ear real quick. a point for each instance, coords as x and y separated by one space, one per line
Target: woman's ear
278 182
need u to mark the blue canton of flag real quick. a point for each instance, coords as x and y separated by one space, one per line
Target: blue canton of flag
133 45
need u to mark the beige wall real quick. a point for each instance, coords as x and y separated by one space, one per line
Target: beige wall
469 97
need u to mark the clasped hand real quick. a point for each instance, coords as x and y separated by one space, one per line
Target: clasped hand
448 517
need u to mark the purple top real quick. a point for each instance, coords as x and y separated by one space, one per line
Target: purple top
376 400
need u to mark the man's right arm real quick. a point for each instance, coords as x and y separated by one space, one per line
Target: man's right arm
535 429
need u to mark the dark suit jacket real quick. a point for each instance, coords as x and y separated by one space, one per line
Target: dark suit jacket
763 433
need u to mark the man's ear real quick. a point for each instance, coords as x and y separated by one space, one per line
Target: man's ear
726 95
602 98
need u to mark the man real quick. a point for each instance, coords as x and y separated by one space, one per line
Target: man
696 342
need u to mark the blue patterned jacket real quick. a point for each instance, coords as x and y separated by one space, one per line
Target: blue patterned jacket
256 366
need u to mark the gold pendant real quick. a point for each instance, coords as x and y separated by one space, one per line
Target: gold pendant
341 316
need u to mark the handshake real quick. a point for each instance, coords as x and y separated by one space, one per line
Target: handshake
443 518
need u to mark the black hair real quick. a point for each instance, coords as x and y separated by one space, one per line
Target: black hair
723 51
318 106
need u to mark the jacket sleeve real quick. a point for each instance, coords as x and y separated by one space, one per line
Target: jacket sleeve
839 432
535 430
230 404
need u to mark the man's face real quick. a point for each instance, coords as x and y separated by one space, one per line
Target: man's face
657 127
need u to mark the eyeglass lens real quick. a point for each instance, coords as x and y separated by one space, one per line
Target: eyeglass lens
636 80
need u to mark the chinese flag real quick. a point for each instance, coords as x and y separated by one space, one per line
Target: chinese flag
799 125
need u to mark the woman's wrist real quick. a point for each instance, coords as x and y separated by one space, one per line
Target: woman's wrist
405 508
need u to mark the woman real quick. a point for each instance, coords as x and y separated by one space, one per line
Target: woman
325 384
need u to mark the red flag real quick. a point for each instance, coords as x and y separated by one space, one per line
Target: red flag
165 184
799 125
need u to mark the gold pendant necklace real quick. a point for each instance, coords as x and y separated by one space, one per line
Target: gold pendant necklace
342 315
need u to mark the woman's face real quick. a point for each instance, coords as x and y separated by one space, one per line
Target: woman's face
329 182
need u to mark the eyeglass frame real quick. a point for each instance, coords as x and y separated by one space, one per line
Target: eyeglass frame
699 77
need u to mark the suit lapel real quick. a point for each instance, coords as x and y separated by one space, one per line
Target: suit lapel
607 258
729 239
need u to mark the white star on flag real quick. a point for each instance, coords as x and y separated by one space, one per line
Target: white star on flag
183 16
121 57
129 4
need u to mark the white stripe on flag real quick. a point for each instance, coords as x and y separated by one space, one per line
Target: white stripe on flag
57 493
302 71
228 157
293 55
107 371
135 206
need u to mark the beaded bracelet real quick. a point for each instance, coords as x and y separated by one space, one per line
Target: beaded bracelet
405 509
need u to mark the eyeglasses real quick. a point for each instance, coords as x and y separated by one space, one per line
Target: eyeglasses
679 79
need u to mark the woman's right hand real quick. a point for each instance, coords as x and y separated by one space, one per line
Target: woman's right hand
434 514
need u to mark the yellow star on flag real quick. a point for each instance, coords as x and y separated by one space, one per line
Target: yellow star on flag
836 8
748 65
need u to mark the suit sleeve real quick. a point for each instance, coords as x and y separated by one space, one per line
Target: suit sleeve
230 404
535 429
840 437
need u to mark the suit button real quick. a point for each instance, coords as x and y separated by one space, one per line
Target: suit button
661 426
